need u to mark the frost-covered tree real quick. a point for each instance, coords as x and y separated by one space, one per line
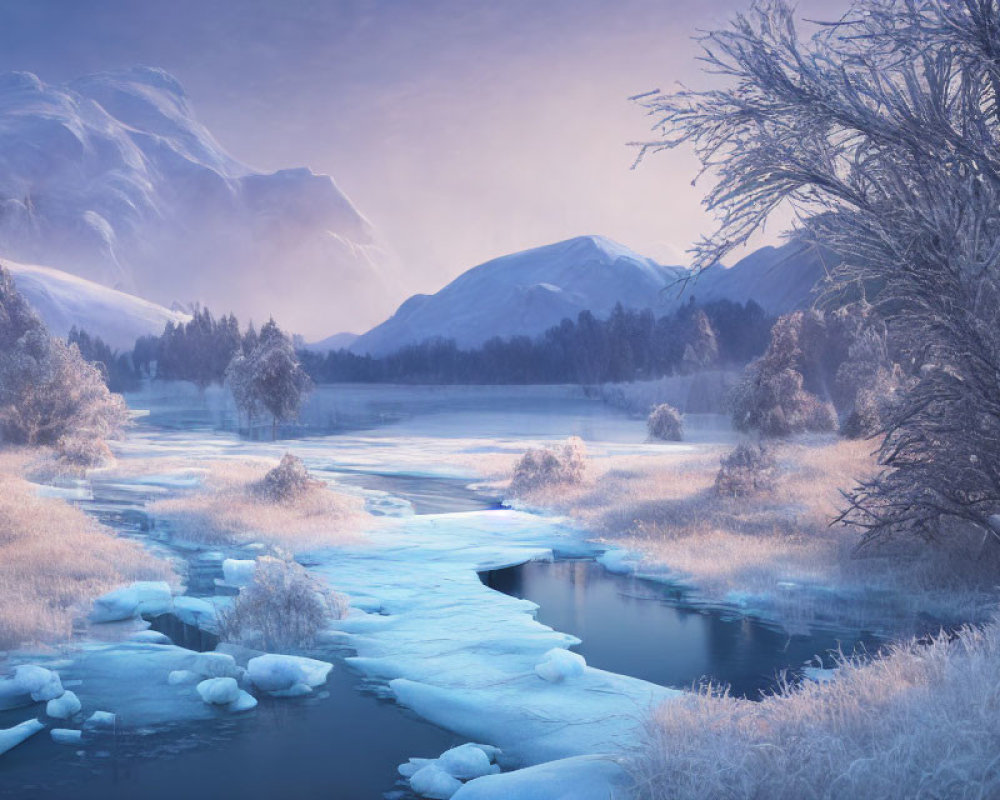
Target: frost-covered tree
49 395
268 377
771 398
882 131
702 347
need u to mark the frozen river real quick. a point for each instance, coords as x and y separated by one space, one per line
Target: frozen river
431 655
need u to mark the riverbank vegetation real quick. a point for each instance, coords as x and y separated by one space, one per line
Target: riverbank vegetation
772 550
54 559
256 501
920 721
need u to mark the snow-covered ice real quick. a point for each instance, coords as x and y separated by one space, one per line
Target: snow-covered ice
219 691
12 737
64 706
66 736
151 598
465 762
30 684
101 721
432 782
195 611
558 664
150 637
578 778
238 572
288 676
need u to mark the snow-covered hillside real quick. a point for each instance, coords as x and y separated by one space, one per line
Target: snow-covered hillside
528 292
111 177
63 300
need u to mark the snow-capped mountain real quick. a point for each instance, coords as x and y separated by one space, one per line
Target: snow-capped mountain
63 300
528 292
111 177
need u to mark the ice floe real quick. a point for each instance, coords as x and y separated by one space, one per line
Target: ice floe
64 706
288 676
12 737
66 736
577 778
219 691
29 684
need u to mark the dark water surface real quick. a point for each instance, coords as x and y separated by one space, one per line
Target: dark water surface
338 744
644 629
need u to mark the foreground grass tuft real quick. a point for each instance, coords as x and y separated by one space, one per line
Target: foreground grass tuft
54 560
921 721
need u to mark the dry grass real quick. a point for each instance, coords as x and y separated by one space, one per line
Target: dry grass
227 509
776 550
54 559
922 721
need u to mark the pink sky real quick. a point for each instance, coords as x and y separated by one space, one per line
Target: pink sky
462 129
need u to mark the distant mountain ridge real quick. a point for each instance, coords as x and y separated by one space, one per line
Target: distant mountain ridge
528 292
112 178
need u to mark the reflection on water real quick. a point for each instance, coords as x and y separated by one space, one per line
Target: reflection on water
644 629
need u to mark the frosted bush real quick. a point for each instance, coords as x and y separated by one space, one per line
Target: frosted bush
918 722
549 466
283 608
286 483
665 423
749 469
77 451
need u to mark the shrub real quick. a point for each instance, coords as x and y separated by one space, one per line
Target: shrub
286 483
54 560
749 469
77 451
548 466
665 423
283 607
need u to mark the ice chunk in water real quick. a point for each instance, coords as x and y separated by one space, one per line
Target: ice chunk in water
465 762
558 664
66 736
244 702
100 721
12 737
219 691
434 783
63 707
279 673
30 684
